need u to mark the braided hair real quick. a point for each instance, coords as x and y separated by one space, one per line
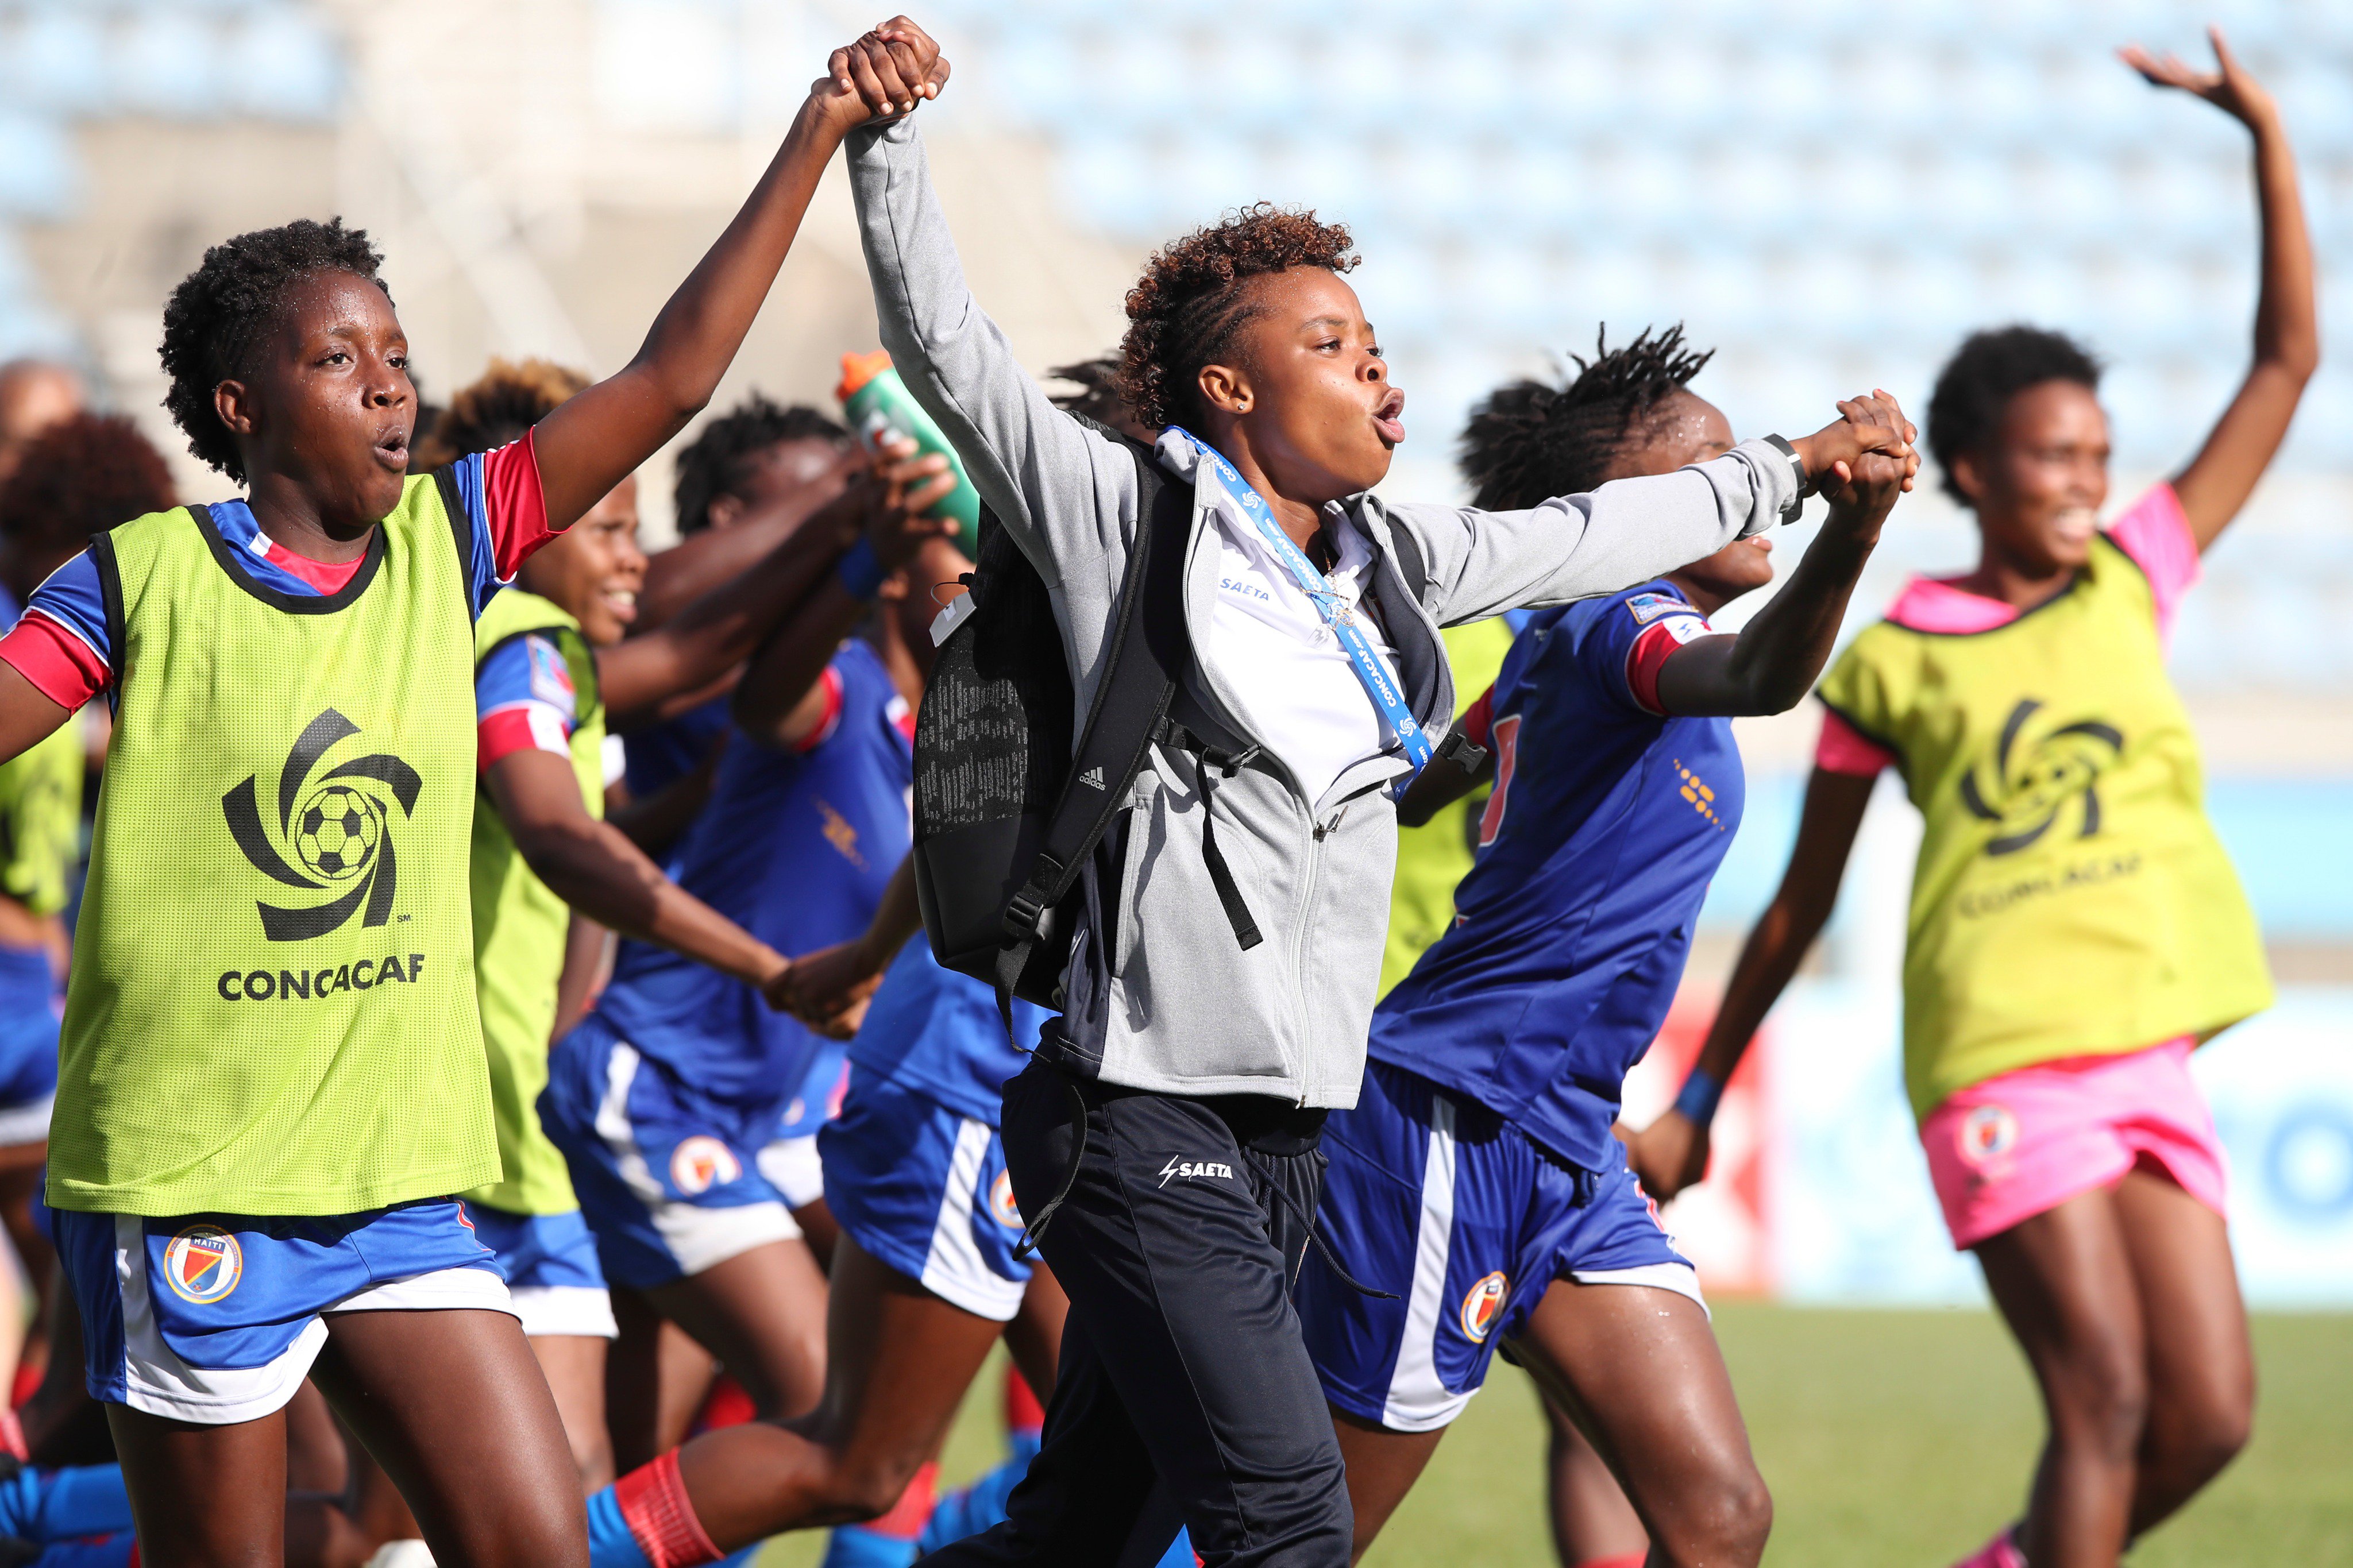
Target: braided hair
221 310
1191 301
1986 371
720 459
1531 440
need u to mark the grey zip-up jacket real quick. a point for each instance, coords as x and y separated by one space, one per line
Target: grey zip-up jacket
1160 995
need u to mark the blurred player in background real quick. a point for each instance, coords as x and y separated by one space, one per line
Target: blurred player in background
2077 929
34 395
77 476
1476 1180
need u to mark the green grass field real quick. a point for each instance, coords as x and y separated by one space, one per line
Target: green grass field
1892 1440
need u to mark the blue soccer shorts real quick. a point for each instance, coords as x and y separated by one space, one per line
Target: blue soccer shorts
924 1188
28 1044
553 1274
791 1161
215 1319
1452 1208
669 1178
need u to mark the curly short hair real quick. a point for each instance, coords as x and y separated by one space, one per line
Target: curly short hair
218 311
1531 440
718 461
1986 371
1184 311
79 477
507 399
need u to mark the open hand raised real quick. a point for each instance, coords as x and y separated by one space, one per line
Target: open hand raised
2229 88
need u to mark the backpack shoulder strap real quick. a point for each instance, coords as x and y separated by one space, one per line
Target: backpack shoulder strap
1142 654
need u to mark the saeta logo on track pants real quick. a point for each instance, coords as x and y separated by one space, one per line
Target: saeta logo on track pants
340 834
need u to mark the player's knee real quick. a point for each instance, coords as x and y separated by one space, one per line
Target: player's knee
868 1488
1722 1519
2201 1434
2102 1400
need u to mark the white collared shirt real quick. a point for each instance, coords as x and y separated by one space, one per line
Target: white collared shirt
1273 649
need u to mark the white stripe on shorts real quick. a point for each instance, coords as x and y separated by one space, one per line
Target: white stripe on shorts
560 1311
1418 1401
1680 1278
699 1238
955 1270
26 1123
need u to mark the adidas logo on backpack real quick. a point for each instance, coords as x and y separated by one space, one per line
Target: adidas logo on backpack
1092 778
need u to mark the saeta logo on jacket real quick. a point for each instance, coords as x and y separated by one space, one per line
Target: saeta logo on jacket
2030 786
333 834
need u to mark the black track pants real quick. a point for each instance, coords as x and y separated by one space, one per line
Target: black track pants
1181 1360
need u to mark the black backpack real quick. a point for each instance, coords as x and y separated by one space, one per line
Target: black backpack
1007 810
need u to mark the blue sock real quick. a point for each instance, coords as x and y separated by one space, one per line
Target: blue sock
1180 1552
855 1546
114 1552
37 1504
610 1544
980 1505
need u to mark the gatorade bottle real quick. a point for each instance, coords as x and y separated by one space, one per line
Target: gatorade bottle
879 403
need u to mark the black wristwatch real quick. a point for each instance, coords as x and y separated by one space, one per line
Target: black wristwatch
1805 481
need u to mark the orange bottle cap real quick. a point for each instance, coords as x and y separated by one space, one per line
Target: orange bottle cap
857 370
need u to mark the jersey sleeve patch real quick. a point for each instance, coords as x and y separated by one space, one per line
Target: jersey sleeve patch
1649 607
551 676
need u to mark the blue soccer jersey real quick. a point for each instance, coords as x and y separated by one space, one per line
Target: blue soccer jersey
797 846
1607 820
939 1033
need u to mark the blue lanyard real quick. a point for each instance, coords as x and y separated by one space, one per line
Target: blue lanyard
1372 674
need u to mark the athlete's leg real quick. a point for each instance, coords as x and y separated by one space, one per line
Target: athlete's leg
205 1497
22 1166
453 1406
317 1457
1593 1525
1035 1335
1382 1465
2064 1283
656 1378
901 1358
762 1314
820 1230
2202 1370
574 1365
1638 1368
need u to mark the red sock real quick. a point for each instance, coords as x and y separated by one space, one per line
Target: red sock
908 1516
726 1406
658 1514
27 1383
1629 1560
1024 1416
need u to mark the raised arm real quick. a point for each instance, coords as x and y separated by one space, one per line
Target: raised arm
1061 488
1480 563
704 561
1774 659
2223 474
1670 1154
585 447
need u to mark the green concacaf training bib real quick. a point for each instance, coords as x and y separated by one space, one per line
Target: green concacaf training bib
272 1010
520 925
40 818
2071 898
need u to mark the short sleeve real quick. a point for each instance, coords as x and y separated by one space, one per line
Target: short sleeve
524 700
2155 532
1843 749
506 510
62 644
1630 640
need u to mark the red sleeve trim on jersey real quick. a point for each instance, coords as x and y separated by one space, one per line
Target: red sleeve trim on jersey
1844 750
519 726
61 667
513 504
1478 723
830 684
1645 659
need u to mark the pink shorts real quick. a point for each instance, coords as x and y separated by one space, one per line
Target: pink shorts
2024 1143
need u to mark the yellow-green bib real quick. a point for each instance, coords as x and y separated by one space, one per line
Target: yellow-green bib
272 1010
1433 859
2071 898
40 818
520 926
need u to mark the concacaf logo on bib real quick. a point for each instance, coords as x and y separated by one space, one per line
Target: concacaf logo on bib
330 835
702 1162
203 1263
1001 1203
1483 1304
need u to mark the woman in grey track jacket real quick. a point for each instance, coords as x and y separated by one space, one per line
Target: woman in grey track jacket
1173 1110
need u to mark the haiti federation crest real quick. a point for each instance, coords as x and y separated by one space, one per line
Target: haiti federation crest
1484 1304
203 1263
